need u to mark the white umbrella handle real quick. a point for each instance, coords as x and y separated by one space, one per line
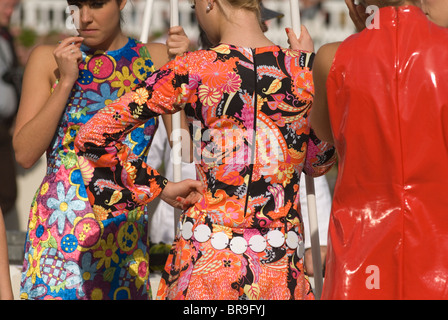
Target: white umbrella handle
295 17
314 235
146 21
176 123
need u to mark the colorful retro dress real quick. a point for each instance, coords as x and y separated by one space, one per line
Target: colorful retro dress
75 250
388 103
249 118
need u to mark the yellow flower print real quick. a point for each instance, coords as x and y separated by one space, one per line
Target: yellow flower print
33 263
125 81
86 228
108 252
209 96
140 96
140 269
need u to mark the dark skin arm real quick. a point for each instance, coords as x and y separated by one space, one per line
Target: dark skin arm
319 117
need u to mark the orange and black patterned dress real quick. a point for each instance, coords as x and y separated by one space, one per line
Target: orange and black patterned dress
248 113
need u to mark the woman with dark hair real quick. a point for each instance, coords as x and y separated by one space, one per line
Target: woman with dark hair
84 244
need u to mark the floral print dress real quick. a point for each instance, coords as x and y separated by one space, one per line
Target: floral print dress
75 250
248 112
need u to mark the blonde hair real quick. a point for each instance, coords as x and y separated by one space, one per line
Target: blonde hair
251 5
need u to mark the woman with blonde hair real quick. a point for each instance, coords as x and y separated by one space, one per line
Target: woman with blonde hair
248 101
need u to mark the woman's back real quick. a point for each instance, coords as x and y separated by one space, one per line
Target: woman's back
251 157
387 98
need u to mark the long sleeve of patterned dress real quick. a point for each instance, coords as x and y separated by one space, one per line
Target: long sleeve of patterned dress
101 143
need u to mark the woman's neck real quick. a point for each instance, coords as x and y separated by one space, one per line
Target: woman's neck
242 28
115 42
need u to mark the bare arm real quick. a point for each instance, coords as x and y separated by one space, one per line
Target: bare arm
39 111
319 117
187 145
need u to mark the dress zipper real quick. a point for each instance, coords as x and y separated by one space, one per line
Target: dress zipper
254 140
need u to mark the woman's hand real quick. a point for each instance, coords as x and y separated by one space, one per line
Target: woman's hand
357 13
177 42
68 56
183 194
305 42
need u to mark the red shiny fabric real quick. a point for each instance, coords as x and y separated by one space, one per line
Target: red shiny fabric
388 102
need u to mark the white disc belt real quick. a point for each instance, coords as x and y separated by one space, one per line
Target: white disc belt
238 244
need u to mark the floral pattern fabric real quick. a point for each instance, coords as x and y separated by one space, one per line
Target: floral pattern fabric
75 250
248 112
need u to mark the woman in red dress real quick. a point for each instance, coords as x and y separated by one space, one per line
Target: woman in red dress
381 98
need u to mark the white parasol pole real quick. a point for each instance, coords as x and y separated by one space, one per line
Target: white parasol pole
310 190
314 235
176 123
146 21
295 16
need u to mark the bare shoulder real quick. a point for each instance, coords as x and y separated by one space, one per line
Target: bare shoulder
159 54
325 56
41 63
44 53
327 52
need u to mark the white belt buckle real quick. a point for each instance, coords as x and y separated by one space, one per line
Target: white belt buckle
202 233
257 243
301 249
238 245
292 240
219 240
276 238
187 230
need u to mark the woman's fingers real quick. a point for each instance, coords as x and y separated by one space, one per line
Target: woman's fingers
68 55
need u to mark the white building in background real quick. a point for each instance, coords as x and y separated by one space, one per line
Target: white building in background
330 23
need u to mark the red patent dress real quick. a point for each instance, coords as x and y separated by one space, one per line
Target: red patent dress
388 103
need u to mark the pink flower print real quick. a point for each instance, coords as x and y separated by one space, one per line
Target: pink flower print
233 83
214 75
